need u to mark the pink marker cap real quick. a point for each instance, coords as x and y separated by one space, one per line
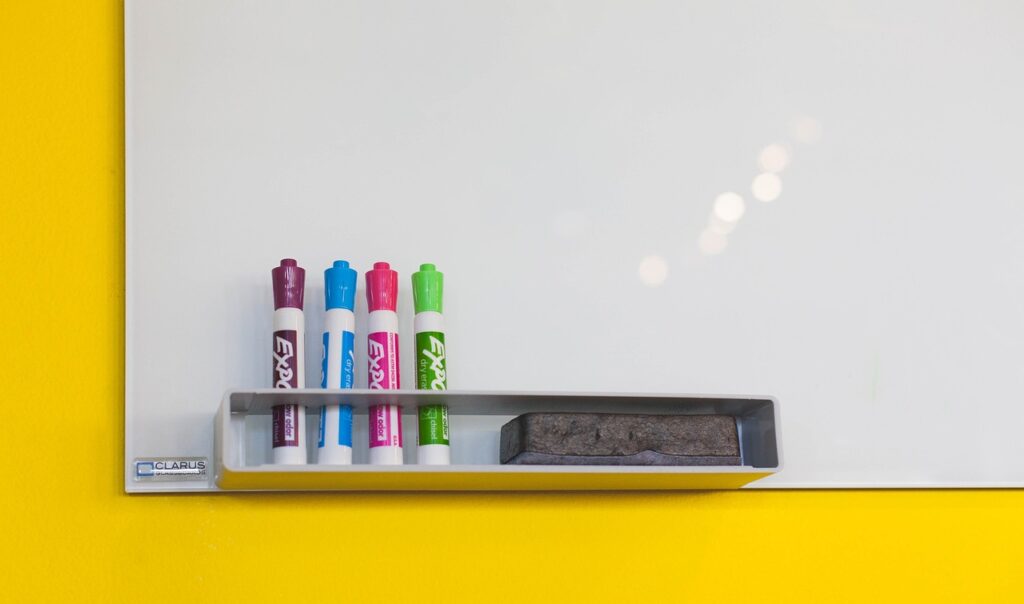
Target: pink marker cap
289 284
382 287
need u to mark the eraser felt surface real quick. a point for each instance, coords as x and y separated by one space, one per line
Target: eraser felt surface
620 439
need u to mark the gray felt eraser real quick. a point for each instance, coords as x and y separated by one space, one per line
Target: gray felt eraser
620 439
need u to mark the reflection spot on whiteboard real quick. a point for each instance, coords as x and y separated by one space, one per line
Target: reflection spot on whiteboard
729 207
711 243
653 270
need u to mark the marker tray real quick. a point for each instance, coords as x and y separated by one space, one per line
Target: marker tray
242 448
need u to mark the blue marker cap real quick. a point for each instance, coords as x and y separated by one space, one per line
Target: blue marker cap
340 286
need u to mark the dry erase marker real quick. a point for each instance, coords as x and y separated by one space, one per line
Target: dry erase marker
382 363
289 421
334 443
431 364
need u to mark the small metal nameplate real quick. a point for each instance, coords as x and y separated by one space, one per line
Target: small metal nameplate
168 469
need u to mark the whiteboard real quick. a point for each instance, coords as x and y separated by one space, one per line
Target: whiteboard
564 164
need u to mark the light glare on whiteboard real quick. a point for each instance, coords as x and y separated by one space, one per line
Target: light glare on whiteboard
773 158
766 187
729 207
717 225
806 130
711 243
653 270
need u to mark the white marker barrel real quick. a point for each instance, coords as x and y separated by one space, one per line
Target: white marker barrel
334 445
288 430
334 441
431 365
382 363
432 436
385 420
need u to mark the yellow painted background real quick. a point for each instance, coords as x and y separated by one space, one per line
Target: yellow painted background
68 532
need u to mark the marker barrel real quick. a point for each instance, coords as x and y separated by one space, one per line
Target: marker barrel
431 374
334 443
289 421
431 364
383 374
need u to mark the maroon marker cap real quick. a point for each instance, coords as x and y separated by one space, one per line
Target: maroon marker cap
289 284
381 287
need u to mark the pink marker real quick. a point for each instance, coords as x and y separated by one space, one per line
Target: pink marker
382 363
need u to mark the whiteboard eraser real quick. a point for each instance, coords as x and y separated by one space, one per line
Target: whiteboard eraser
618 439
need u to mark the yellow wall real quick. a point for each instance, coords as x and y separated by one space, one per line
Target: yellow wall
66 529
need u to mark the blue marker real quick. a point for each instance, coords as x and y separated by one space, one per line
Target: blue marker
334 445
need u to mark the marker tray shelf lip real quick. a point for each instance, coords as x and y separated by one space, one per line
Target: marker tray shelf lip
476 418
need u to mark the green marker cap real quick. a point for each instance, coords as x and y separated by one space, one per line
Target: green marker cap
427 289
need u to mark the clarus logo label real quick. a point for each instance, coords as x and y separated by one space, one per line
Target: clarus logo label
170 469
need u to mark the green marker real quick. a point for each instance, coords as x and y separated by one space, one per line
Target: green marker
431 365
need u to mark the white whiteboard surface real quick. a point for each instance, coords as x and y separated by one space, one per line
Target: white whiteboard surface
559 162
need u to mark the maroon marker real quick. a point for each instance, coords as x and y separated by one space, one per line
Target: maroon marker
289 424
